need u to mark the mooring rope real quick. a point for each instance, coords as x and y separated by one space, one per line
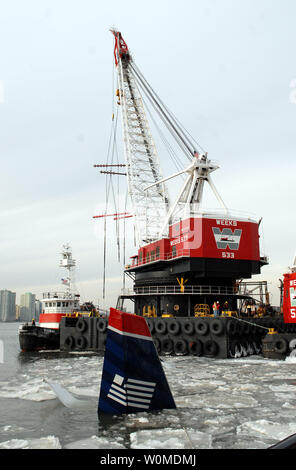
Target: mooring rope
251 323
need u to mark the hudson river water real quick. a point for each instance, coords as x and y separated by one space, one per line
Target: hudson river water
222 404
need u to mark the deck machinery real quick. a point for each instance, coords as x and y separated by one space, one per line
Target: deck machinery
188 257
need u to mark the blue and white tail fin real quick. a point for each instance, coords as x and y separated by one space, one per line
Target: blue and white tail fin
133 379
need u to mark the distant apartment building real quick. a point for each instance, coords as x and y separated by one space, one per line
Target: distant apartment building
17 312
27 307
7 306
38 309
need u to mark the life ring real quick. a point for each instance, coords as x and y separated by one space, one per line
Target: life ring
195 348
150 324
160 326
69 342
173 327
188 328
210 348
167 346
81 325
102 325
180 347
216 327
201 327
281 346
81 342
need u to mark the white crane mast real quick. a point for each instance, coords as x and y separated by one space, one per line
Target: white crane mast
152 211
149 207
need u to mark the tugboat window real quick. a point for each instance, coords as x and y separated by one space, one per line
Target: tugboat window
157 252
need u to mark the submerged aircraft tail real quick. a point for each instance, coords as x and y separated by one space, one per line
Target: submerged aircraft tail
133 379
65 397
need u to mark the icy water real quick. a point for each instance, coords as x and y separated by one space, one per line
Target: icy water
222 404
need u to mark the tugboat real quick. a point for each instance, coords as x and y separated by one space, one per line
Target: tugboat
55 305
280 341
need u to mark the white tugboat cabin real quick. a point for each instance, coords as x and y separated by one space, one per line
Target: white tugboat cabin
56 305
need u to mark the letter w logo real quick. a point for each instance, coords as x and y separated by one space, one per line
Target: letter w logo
227 238
293 296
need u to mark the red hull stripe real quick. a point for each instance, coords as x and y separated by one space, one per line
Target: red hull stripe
129 324
50 317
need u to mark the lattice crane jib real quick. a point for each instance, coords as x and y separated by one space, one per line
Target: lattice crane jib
149 207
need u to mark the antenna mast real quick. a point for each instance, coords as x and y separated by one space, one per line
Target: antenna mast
68 263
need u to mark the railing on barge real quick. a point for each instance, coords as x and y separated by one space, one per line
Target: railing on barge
242 289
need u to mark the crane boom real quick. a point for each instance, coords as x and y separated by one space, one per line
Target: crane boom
149 207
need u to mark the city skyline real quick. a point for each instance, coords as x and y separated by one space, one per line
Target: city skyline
29 307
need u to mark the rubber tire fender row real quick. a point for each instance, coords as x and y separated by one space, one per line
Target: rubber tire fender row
281 346
248 328
81 325
157 345
174 327
180 347
150 324
81 342
160 326
241 328
195 348
255 330
217 327
167 346
187 328
211 348
69 343
231 327
244 348
235 348
102 325
201 327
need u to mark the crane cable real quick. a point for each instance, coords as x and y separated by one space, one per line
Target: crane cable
181 128
185 137
112 147
185 146
174 157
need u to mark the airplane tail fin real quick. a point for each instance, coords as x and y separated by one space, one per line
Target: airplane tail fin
133 379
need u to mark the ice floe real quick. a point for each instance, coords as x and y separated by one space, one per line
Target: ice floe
49 442
95 442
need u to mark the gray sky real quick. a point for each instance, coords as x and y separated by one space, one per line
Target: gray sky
225 68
